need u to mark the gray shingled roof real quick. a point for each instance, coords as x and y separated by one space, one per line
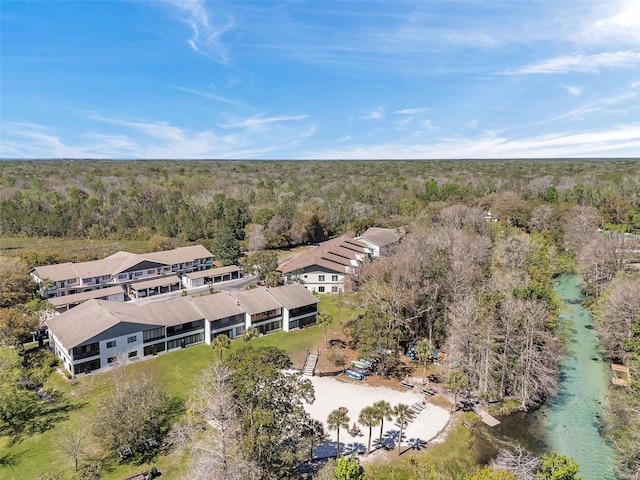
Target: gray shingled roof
217 306
381 236
119 262
293 296
256 300
81 297
334 255
93 317
156 282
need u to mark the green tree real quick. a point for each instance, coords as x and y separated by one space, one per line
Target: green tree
16 285
15 326
323 320
134 412
369 418
456 382
272 414
261 263
272 279
225 246
384 411
487 473
403 415
348 469
221 342
558 467
424 352
336 420
250 333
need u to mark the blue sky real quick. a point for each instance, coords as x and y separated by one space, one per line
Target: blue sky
319 79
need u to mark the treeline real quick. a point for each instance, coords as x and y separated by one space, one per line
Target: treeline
478 290
278 204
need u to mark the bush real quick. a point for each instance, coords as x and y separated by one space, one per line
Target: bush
335 356
67 374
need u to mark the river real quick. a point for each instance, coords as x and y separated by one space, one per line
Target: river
569 422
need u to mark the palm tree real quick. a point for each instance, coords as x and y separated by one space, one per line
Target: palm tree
369 417
424 351
336 420
221 342
384 412
314 430
456 381
324 320
402 413
250 333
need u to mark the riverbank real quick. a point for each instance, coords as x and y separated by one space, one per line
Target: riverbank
569 422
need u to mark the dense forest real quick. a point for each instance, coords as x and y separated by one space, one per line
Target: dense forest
275 204
473 275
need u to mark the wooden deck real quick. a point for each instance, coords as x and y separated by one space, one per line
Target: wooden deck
485 417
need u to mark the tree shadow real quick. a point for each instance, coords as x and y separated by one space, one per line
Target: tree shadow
10 459
35 414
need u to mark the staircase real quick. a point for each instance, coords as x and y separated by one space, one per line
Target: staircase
310 364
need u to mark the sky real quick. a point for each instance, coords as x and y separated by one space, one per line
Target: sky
192 79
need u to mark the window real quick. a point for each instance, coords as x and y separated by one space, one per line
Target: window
133 354
334 289
111 359
132 339
321 278
152 334
151 271
334 278
122 276
111 344
154 349
137 274
320 289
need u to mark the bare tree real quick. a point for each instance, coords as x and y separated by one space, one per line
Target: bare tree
521 463
74 441
617 312
580 224
216 453
536 370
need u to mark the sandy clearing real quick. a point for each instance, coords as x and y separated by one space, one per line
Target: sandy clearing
332 394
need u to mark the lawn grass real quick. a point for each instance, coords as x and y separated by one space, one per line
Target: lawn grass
177 370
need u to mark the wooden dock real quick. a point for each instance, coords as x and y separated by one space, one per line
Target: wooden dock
485 417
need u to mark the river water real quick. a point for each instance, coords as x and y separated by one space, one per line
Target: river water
569 422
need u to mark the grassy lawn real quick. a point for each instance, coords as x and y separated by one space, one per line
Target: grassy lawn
177 370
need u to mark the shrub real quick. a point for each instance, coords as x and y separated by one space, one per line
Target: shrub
335 356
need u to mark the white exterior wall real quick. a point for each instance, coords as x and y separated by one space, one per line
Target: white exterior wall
285 319
189 283
121 350
312 281
119 297
61 352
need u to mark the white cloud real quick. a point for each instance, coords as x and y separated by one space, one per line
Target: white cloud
581 63
619 140
411 111
573 90
258 122
622 26
377 114
206 34
211 96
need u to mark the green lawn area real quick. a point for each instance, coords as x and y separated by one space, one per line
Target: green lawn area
177 370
